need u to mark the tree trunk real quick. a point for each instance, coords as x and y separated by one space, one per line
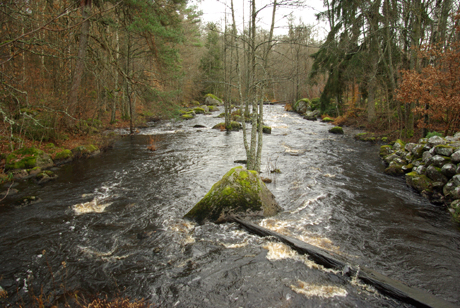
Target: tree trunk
80 62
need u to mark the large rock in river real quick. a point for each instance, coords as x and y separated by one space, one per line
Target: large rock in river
240 192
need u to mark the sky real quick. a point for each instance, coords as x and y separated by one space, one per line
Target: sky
214 11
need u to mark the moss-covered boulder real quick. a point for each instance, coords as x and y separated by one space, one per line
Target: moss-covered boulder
327 120
302 105
419 182
28 158
234 126
336 130
212 100
200 110
266 129
240 192
385 150
85 151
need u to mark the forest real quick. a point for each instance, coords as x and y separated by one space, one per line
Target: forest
70 69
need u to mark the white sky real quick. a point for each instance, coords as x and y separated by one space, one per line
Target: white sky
214 11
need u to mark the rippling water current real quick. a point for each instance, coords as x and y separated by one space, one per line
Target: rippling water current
114 223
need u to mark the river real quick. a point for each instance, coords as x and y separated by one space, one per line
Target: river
113 223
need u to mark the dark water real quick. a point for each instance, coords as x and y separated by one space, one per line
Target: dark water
113 223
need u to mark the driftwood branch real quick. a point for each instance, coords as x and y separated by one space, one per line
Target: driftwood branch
382 283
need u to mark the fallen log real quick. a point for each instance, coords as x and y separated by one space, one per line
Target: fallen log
382 283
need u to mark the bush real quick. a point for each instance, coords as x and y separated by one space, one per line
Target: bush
431 134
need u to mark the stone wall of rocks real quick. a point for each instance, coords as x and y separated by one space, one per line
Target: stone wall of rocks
431 166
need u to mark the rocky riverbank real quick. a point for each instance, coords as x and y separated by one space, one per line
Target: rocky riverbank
431 167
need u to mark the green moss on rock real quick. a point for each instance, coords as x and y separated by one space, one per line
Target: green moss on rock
239 192
327 119
65 154
385 150
336 130
419 182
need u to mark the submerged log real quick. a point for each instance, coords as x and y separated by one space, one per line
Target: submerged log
382 283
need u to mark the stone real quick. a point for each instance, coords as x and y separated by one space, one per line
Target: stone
212 100
451 191
389 158
436 140
336 130
239 192
398 145
426 157
438 161
395 169
417 151
385 150
449 170
455 157
302 105
417 181
410 146
444 150
456 180
420 170
435 174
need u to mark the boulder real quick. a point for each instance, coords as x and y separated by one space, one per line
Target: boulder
212 100
456 157
302 105
449 170
436 174
336 130
438 161
444 150
436 140
239 192
419 182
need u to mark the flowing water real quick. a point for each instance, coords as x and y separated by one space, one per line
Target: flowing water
113 223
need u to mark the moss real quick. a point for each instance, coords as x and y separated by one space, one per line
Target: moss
91 148
336 130
384 139
238 191
211 108
385 150
187 116
213 96
327 119
65 154
420 182
266 129
199 110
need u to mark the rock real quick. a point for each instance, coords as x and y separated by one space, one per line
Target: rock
444 150
449 170
85 151
20 174
436 140
327 120
312 115
336 130
455 157
410 146
212 100
234 126
46 176
438 161
419 182
240 192
389 158
266 129
435 174
426 157
420 170
417 151
28 158
63 157
454 208
302 105
199 126
395 169
398 145
456 180
200 110
451 191
385 150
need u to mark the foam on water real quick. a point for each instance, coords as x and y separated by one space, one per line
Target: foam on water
324 291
